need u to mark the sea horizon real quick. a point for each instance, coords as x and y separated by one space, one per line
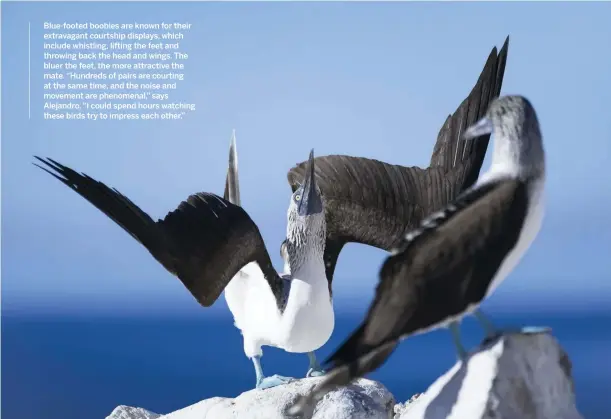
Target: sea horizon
91 320
68 366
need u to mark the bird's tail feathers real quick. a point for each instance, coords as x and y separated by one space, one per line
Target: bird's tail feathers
232 182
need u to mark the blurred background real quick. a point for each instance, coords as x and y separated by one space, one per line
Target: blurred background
90 320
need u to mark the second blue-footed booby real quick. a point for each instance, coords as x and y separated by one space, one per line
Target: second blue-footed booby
376 203
442 270
212 244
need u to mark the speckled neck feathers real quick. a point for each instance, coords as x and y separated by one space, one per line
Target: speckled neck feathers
305 242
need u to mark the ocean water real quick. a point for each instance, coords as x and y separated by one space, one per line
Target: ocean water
83 367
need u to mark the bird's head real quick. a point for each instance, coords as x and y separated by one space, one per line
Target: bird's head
514 126
306 216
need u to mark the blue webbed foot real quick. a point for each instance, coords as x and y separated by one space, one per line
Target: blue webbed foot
527 330
315 370
272 381
267 382
533 330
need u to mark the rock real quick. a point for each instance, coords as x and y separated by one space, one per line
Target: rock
523 375
127 412
401 408
363 399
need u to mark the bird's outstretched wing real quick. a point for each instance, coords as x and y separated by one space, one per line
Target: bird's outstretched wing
204 242
430 278
375 203
438 270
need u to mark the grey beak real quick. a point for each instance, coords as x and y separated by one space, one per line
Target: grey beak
310 202
481 127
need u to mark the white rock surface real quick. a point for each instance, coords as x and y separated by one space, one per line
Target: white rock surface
127 412
364 399
401 408
516 376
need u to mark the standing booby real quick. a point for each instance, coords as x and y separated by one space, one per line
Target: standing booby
459 255
212 245
375 203
232 194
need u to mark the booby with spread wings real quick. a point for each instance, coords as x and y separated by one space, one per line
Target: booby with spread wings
212 244
375 203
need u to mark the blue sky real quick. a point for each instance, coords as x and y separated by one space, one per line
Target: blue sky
365 79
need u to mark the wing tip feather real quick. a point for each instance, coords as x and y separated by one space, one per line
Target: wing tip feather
488 85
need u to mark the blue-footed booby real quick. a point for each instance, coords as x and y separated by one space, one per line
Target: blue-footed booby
442 270
232 194
375 203
212 244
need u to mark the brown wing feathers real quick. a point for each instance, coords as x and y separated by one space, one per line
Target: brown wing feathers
441 284
115 205
204 242
450 150
355 187
375 203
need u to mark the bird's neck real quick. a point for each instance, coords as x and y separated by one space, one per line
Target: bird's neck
520 159
305 258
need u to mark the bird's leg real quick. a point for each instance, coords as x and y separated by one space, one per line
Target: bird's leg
267 382
460 349
486 324
315 370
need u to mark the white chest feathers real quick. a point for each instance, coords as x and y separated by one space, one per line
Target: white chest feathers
305 323
530 229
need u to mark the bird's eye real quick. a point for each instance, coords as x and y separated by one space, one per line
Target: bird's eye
297 197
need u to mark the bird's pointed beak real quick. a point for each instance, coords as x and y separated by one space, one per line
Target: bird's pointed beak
481 127
310 202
